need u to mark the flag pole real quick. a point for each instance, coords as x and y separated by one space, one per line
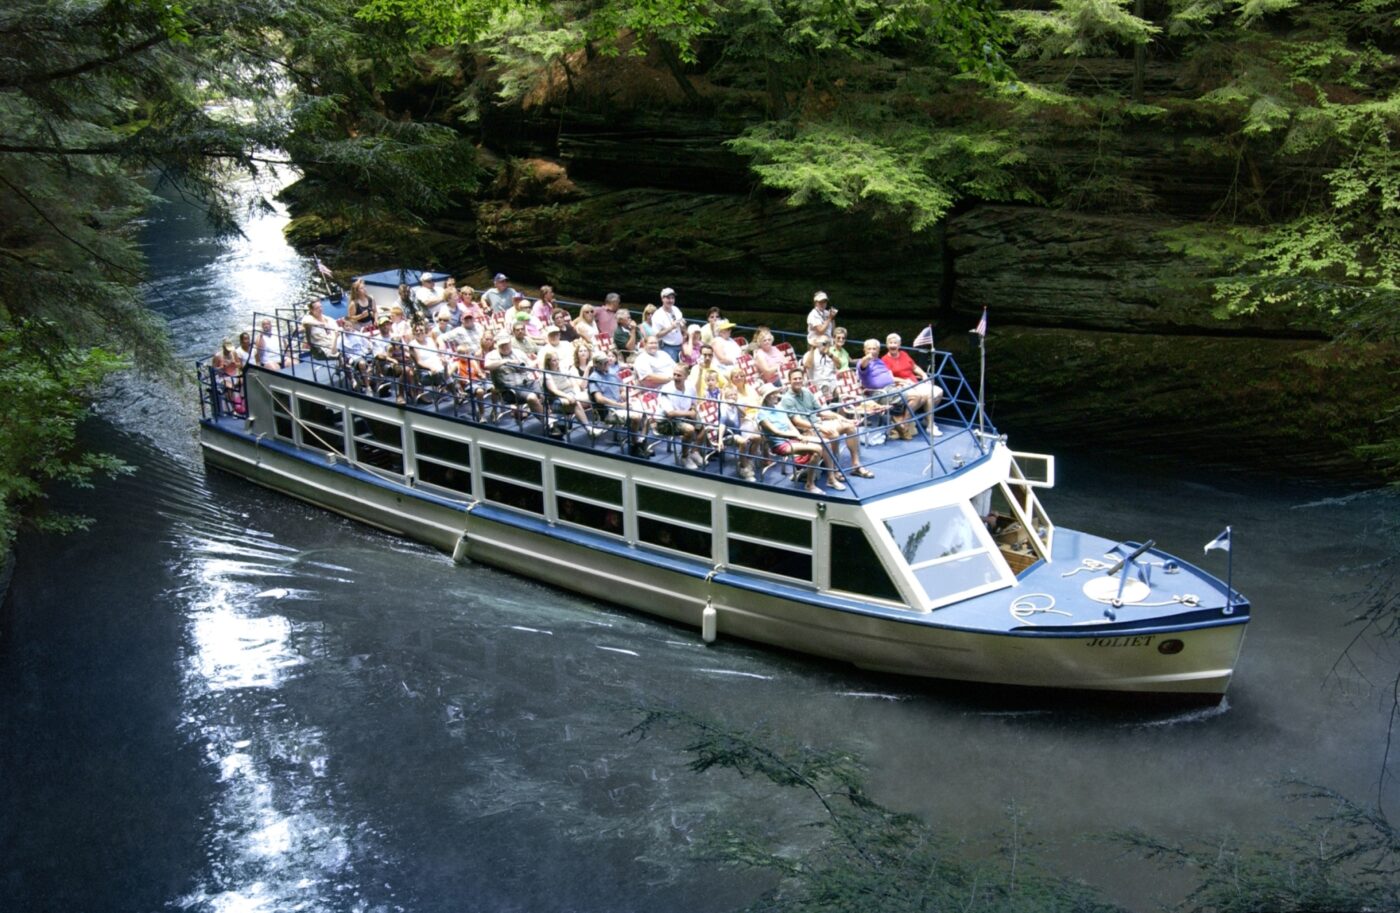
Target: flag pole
1230 573
982 375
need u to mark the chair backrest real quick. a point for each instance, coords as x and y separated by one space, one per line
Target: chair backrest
707 410
745 364
848 386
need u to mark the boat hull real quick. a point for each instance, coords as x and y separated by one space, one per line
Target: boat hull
906 643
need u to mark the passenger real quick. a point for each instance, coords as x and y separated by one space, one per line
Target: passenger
513 379
690 349
819 364
245 348
707 376
388 356
582 360
653 366
440 327
402 328
768 358
808 415
267 347
668 323
875 377
821 320
607 317
467 336
524 345
427 357
426 295
645 328
838 350
610 400
520 308
554 343
500 297
356 354
626 333
466 304
542 314
319 331
567 393
740 415
707 332
567 333
676 414
360 309
586 326
785 440
727 351
921 391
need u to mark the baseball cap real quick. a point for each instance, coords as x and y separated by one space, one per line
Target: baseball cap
500 277
819 296
668 292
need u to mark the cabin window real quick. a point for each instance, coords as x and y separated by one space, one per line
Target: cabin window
588 499
282 415
770 542
856 568
675 521
443 461
512 481
322 426
378 443
944 551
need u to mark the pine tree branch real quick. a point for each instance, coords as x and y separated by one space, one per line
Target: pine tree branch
86 66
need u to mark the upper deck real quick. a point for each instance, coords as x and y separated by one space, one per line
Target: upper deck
467 397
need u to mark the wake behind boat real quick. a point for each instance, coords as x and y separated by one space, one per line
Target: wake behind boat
943 563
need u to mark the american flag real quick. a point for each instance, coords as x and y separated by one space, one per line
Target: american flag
323 269
981 328
925 338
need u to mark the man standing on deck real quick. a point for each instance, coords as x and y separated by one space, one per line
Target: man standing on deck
822 319
668 323
501 297
606 318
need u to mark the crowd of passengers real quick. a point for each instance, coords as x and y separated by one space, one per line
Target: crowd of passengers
602 369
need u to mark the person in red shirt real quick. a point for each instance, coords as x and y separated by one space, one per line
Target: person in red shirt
921 393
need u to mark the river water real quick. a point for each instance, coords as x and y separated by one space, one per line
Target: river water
220 699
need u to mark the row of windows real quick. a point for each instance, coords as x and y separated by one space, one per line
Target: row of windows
760 540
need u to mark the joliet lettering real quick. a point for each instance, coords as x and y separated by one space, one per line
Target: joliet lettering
1140 641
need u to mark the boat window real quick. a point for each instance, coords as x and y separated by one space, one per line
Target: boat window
667 503
672 520
944 550
322 426
511 480
760 540
446 449
282 414
1004 523
443 461
588 484
378 443
769 526
512 466
855 568
589 500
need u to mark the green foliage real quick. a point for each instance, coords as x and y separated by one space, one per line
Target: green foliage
1346 858
1080 28
45 399
856 854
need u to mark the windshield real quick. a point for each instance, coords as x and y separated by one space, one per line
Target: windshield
944 550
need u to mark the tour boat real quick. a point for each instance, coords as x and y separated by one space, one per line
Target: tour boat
944 565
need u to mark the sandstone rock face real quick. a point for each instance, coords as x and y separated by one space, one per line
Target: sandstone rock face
1042 267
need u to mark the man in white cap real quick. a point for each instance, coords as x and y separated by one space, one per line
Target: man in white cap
501 296
555 343
822 319
668 323
426 294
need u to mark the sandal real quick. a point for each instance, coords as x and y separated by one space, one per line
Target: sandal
861 472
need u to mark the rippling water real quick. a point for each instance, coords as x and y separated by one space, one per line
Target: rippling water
224 700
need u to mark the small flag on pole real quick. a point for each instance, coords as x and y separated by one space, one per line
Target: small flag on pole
1221 541
925 338
981 328
323 269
